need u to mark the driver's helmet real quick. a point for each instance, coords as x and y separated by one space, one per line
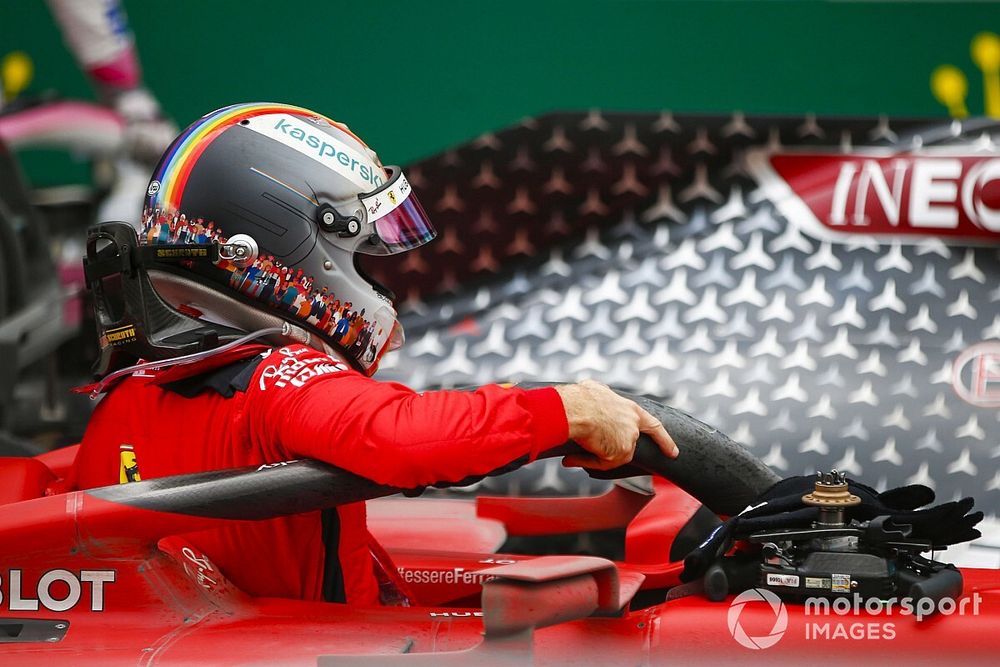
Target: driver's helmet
303 196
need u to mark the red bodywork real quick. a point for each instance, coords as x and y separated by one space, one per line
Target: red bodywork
168 605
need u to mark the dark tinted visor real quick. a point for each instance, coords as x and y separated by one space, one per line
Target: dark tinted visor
398 218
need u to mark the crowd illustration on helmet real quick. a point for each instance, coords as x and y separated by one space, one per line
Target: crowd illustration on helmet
268 281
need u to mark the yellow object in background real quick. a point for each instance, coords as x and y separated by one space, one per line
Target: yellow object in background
950 87
985 49
16 71
128 470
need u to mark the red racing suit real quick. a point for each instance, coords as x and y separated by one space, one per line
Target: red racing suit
258 405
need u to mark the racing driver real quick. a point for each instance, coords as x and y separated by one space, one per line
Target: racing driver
287 200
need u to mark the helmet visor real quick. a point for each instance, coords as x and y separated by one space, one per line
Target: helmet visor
397 216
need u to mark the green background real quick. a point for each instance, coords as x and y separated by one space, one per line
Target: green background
415 77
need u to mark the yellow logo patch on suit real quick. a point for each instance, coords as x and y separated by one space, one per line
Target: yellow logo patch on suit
128 469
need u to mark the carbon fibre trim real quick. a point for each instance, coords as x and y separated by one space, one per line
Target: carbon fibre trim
279 489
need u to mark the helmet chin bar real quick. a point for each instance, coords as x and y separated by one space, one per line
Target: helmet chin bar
132 319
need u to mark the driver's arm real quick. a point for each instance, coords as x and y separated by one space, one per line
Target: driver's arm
388 433
393 435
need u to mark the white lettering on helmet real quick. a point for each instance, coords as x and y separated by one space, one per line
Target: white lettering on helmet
321 147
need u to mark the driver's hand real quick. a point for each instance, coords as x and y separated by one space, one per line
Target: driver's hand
607 426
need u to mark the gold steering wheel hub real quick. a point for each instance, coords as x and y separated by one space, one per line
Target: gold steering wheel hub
831 491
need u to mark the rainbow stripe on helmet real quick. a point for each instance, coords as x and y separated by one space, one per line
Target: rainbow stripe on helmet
175 166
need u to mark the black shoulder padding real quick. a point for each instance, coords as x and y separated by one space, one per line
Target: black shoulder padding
225 381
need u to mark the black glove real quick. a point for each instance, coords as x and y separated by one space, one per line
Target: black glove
875 503
942 525
907 497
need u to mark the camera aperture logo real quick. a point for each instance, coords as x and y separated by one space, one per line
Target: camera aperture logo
777 631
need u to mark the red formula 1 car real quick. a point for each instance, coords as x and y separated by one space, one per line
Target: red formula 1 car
101 576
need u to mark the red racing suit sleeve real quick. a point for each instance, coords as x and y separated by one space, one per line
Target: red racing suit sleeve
309 405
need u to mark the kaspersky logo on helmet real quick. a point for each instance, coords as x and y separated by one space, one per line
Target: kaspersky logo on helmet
321 147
